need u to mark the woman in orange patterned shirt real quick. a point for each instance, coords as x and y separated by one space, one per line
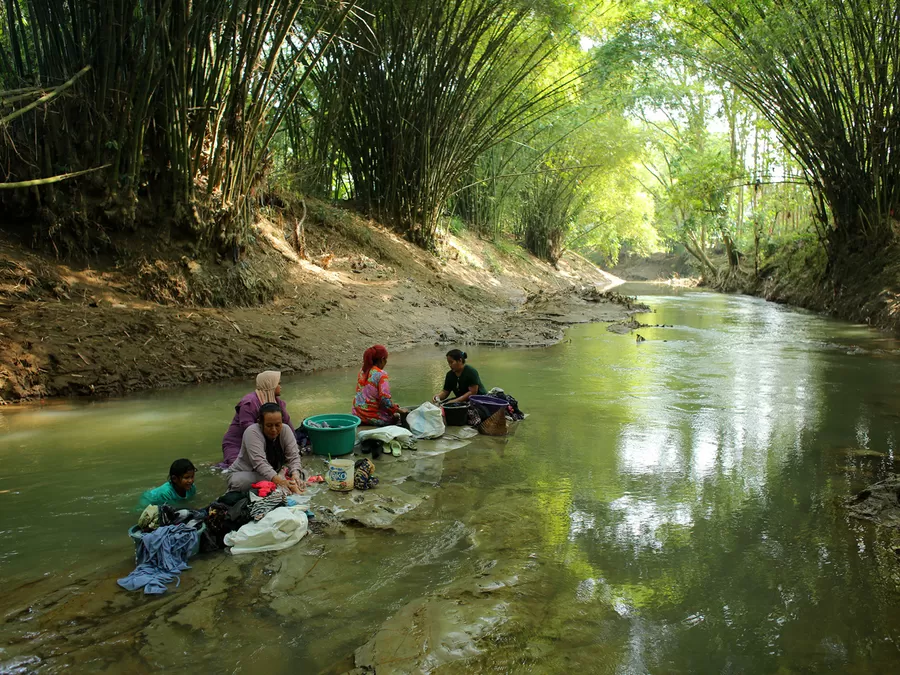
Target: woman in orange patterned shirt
373 404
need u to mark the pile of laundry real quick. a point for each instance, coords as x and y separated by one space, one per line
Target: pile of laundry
267 518
512 410
479 413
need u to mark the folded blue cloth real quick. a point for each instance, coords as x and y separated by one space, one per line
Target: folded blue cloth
161 558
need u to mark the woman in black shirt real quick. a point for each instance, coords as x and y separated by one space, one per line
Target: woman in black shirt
462 381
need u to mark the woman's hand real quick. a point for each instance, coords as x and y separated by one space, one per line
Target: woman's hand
297 483
282 482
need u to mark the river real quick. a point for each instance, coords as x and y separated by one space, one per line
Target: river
669 506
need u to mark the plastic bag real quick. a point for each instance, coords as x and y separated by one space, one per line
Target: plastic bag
279 529
426 421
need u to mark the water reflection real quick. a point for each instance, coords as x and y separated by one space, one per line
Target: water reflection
669 506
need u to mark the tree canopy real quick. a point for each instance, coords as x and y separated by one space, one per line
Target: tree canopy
727 128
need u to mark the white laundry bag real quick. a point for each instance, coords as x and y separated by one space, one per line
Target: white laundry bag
279 529
387 434
426 421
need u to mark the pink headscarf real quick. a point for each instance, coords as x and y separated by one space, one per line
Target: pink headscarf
266 382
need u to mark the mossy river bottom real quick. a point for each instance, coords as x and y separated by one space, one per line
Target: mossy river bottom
669 506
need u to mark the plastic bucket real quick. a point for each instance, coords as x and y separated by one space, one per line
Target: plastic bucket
491 403
339 475
136 535
456 414
336 440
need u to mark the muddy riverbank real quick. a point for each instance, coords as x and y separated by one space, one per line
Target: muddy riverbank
72 330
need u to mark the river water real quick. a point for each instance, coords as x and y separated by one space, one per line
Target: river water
670 506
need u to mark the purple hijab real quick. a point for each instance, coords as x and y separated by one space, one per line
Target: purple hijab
246 412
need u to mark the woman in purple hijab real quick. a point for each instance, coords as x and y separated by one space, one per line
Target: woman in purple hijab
246 412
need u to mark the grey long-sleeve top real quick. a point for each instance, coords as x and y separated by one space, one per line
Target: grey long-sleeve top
253 452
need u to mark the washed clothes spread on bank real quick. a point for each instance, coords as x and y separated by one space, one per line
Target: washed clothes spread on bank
161 557
165 494
255 461
459 384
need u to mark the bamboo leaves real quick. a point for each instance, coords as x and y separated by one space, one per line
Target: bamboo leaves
826 74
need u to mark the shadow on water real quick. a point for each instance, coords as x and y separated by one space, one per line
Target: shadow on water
671 505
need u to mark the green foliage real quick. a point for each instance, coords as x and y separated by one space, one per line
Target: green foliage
824 73
179 100
413 96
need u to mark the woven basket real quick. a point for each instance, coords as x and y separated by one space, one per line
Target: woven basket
495 425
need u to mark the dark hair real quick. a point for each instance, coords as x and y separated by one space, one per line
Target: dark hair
267 408
458 355
180 467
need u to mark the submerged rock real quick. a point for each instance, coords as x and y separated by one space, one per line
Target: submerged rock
377 508
879 503
428 634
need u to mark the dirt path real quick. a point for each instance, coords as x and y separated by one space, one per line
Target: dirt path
78 331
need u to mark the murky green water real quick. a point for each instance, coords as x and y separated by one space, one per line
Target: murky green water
671 506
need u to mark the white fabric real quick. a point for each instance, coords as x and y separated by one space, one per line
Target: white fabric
387 434
426 421
279 529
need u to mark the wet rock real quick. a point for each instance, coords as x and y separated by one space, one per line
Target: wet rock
377 508
623 327
428 634
879 503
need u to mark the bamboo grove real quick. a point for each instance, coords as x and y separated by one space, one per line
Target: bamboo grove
732 126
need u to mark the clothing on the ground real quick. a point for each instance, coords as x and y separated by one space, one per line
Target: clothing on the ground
260 506
169 515
165 494
364 474
231 512
246 414
459 384
373 403
149 518
264 487
161 557
253 455
278 529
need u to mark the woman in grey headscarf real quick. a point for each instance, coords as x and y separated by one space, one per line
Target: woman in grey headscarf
246 412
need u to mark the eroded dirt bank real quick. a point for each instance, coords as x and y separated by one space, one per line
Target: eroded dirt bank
73 330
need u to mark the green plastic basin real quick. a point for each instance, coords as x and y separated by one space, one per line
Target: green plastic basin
338 439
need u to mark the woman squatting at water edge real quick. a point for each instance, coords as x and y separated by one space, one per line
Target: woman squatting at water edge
373 403
461 380
246 414
268 452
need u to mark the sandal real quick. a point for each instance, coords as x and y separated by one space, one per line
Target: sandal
395 448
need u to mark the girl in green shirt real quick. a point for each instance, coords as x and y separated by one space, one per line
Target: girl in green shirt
179 487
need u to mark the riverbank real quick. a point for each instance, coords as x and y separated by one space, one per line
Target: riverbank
155 318
797 275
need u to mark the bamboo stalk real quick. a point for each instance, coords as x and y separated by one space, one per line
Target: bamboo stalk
50 180
46 98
